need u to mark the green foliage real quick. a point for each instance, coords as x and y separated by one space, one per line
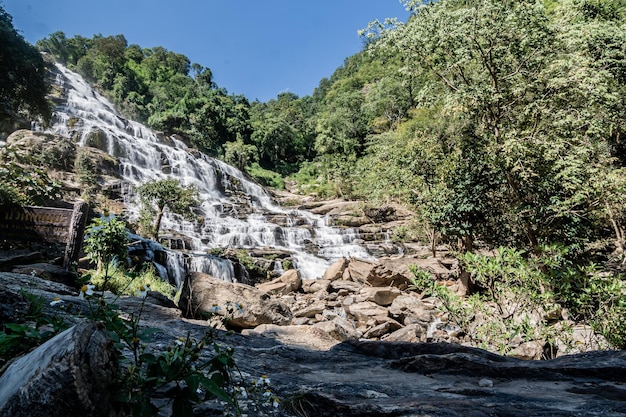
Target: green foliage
26 185
266 177
181 373
240 154
549 281
28 329
106 241
120 281
23 82
158 195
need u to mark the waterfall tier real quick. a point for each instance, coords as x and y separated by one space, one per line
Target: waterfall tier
235 211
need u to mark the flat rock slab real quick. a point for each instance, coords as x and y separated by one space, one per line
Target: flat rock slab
359 378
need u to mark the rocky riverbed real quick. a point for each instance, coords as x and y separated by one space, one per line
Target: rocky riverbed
323 362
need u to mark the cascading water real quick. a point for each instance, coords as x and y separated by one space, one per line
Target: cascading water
235 210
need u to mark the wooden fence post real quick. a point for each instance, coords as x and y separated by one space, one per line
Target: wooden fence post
75 234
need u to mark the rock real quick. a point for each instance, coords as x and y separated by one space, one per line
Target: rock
367 310
391 273
359 269
49 272
349 286
315 285
290 281
71 374
528 351
314 374
9 259
203 294
485 383
311 310
379 295
336 270
310 337
339 329
413 333
410 309
376 332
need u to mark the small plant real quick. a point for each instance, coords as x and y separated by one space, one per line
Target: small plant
423 281
30 329
180 372
106 242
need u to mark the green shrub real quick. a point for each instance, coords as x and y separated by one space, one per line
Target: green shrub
266 177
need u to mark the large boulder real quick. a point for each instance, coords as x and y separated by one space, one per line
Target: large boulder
242 306
336 270
71 374
289 282
391 273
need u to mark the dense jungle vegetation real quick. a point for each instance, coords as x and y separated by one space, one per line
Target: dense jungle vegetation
500 123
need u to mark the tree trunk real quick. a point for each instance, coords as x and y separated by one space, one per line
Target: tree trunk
619 232
157 223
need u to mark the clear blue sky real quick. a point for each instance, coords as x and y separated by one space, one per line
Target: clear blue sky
258 48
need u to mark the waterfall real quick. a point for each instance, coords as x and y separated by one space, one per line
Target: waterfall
235 210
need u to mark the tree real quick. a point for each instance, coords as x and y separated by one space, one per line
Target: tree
240 154
159 195
535 110
23 82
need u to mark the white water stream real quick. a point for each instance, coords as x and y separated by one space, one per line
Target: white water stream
235 210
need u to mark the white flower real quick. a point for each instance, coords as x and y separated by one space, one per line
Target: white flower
86 290
276 402
214 309
243 392
180 341
142 292
56 301
267 393
264 380
238 308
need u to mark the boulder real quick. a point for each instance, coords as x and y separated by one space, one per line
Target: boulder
359 269
71 374
315 285
306 336
532 350
383 296
349 286
290 281
409 309
204 295
391 273
311 310
378 331
336 270
339 329
49 272
366 311
413 333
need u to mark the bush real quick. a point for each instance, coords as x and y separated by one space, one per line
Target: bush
266 177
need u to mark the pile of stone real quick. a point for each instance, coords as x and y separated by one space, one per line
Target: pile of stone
355 300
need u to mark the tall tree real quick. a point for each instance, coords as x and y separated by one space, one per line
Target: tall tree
23 82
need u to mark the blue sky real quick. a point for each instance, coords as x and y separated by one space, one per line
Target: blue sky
258 48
